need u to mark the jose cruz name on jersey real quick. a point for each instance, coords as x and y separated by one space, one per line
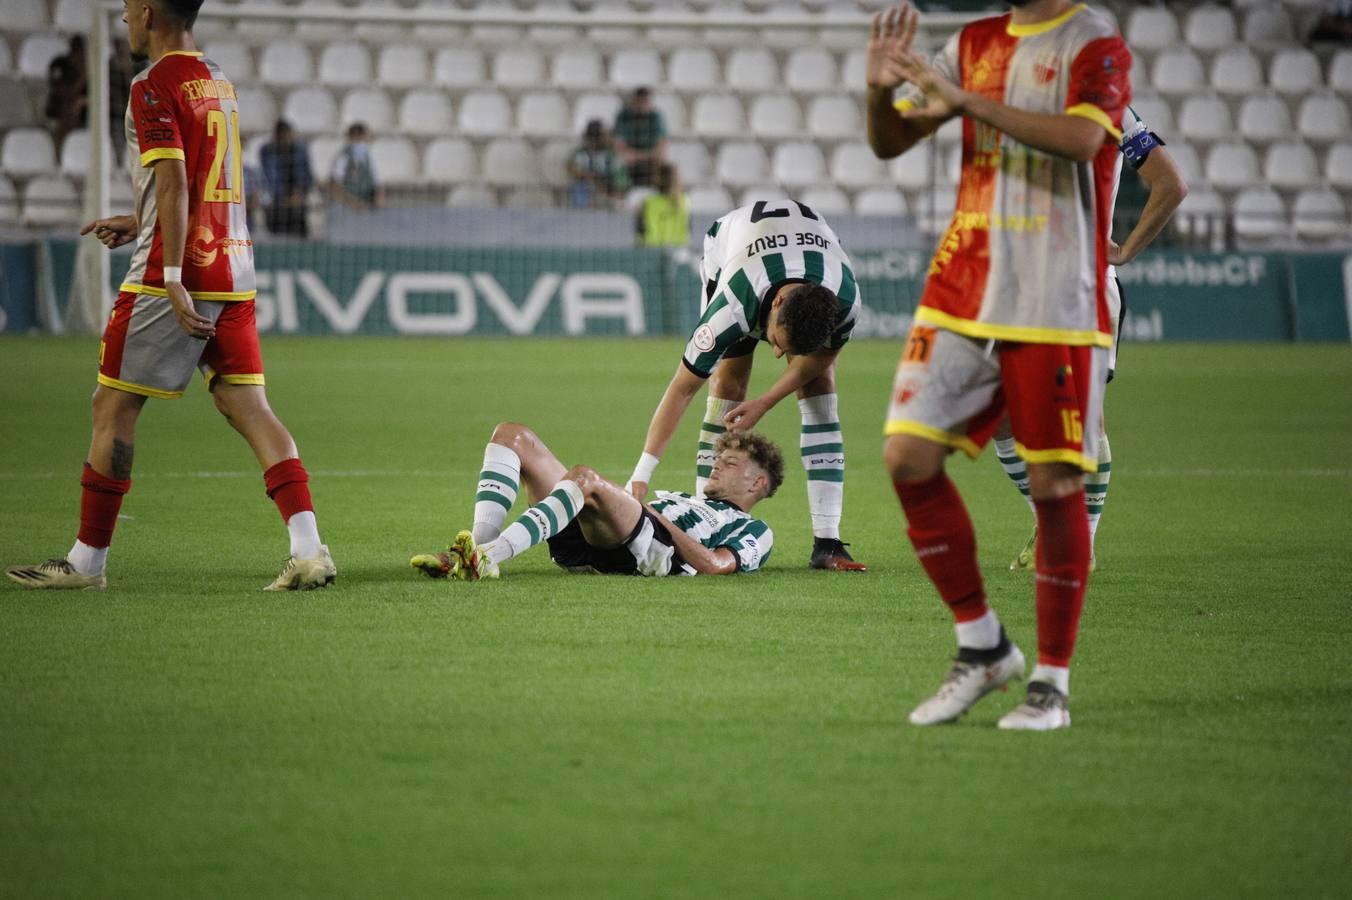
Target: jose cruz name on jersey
781 241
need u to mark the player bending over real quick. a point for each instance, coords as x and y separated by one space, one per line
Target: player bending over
594 525
1146 153
774 272
183 130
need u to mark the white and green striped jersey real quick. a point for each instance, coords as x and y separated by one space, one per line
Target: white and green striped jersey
748 254
718 523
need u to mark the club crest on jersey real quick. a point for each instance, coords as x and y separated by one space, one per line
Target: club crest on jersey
149 98
704 338
1045 71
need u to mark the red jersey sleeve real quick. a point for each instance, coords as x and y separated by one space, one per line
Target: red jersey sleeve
1100 83
156 119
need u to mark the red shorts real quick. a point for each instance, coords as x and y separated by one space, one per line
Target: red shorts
954 390
145 351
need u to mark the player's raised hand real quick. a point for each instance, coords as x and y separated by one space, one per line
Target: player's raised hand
943 98
745 415
113 231
190 320
888 43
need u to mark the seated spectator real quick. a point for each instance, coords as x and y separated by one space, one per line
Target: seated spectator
599 178
664 217
1336 25
67 90
641 137
353 181
286 174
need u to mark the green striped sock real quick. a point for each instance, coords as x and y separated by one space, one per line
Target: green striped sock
1014 467
709 430
538 523
499 482
1096 486
823 450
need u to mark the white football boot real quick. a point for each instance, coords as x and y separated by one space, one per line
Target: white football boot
306 574
968 681
56 574
1043 710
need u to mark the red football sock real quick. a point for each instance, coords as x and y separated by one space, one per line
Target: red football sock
100 500
941 531
1062 570
288 484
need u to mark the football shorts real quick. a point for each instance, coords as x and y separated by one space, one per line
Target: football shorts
145 351
647 551
954 390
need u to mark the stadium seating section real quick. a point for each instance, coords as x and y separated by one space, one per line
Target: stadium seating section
486 115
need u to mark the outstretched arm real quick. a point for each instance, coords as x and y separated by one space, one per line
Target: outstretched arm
800 371
682 389
1167 190
703 560
888 133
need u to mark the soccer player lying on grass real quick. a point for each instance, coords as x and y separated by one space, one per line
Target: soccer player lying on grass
595 525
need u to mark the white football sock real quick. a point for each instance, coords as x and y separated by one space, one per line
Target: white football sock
1057 676
538 523
87 560
823 452
979 634
499 482
1096 486
303 530
1014 467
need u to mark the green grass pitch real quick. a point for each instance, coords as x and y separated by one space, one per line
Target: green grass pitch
553 735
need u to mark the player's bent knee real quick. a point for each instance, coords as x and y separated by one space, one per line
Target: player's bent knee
912 459
1053 481
510 434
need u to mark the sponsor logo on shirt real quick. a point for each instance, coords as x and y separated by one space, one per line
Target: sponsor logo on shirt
201 250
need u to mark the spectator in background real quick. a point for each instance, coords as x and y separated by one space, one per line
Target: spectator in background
286 173
664 216
353 180
599 178
1336 25
641 137
67 90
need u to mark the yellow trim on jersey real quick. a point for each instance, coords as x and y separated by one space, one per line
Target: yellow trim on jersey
1020 333
1094 114
224 296
1062 455
937 435
138 388
1043 27
158 153
182 53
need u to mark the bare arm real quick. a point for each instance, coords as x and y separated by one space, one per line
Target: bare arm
1071 137
1167 190
171 205
888 133
703 560
675 400
800 371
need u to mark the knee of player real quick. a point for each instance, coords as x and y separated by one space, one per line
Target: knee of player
587 480
512 434
905 461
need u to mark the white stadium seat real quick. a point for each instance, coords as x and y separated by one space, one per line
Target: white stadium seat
395 159
835 116
740 163
604 106
934 209
9 201
327 27
672 109
1320 213
459 67
511 163
709 201
543 114
880 201
1338 166
758 193
1340 72
368 105
345 63
776 116
323 151
449 160
810 70
952 164
798 164
50 200
403 66
425 111
37 51
912 169
1188 162
1210 28
854 165
1295 72
1236 72
68 15
1264 118
578 67
484 114
826 200
1201 213
518 67
752 69
75 152
471 196
29 16
852 71
553 35
1177 72
554 159
1259 214
286 63
310 110
27 151
234 58
1205 118
1232 166
377 33
1290 166
1151 28
1267 25
718 115
636 67
1323 118
691 159
257 109
694 69
1155 112
6 64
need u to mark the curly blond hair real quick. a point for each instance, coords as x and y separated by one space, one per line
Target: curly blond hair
760 450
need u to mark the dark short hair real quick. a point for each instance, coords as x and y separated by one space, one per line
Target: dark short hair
760 450
185 11
357 129
808 314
